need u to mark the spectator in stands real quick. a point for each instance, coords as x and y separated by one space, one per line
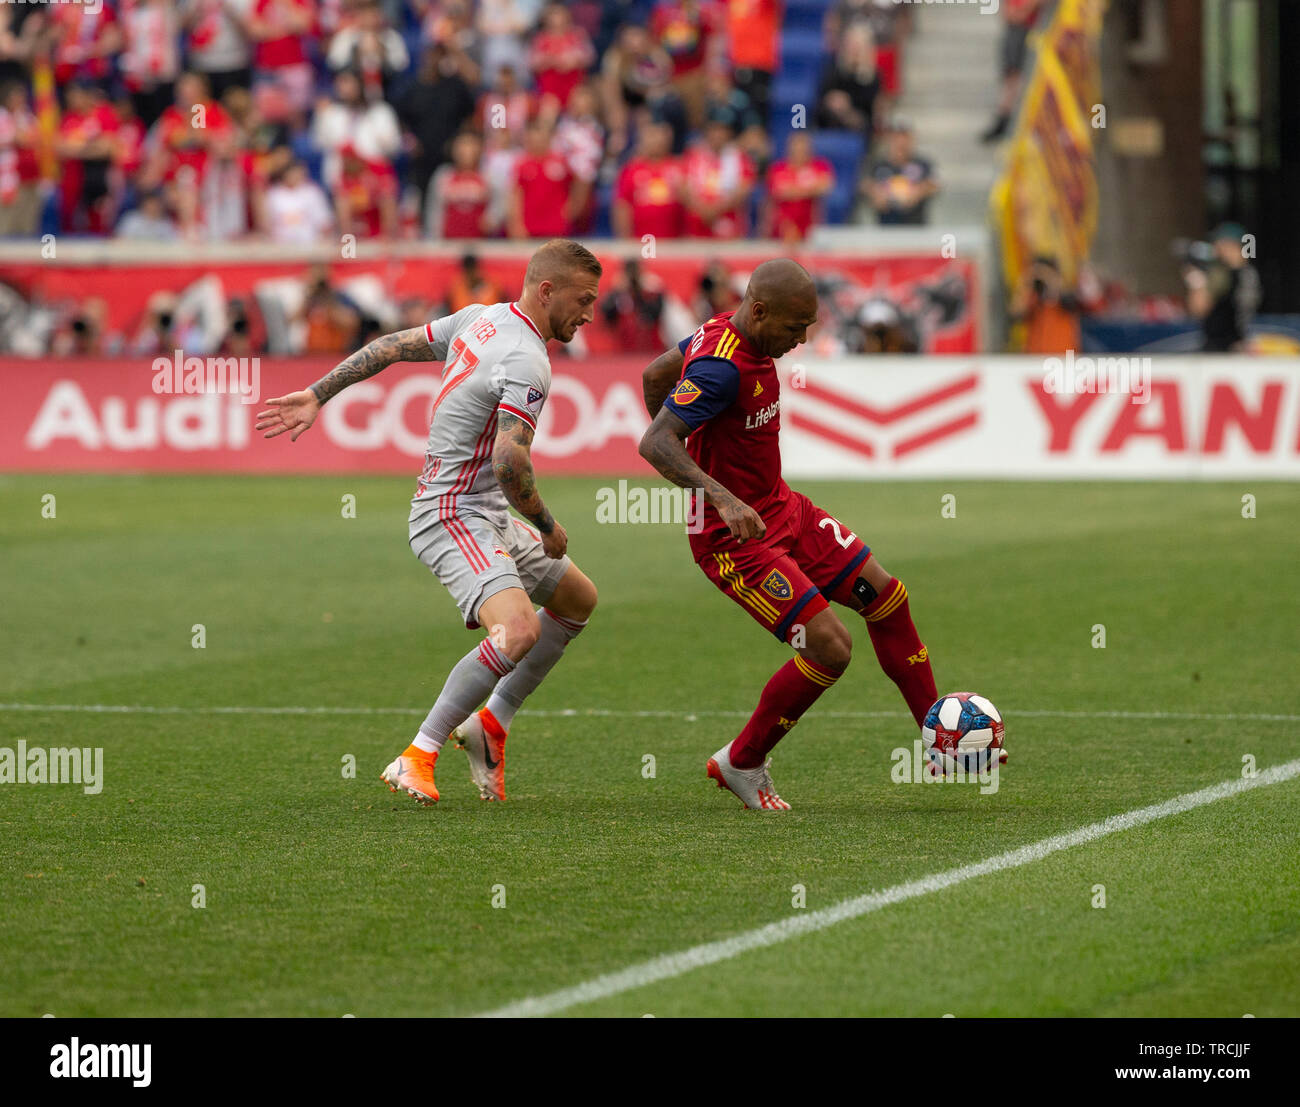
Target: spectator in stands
22 29
85 41
85 146
692 33
1224 295
633 309
451 25
796 185
887 22
561 55
20 172
217 42
1018 18
151 61
282 32
183 138
365 195
267 140
149 221
724 99
901 183
647 197
849 98
229 191
371 49
129 152
296 210
433 108
754 39
503 24
631 68
507 105
472 286
580 141
542 205
370 128
718 180
459 193
500 159
1048 311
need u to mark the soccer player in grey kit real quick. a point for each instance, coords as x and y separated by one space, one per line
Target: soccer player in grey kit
495 380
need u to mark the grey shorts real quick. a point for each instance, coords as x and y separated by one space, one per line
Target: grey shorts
476 557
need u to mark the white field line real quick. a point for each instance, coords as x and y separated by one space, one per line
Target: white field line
614 713
671 965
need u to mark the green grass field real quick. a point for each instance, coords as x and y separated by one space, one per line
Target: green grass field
326 895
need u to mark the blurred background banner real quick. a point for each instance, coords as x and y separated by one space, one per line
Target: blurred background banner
647 304
1045 201
998 417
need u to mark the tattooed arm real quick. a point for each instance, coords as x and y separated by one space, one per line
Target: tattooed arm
297 411
513 464
659 377
664 446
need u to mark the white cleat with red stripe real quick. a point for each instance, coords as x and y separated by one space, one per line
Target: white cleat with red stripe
753 786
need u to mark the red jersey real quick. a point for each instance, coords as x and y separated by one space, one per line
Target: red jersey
545 183
361 190
650 188
283 50
187 143
464 194
712 177
730 397
787 185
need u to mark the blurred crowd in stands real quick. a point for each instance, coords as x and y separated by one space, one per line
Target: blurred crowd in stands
300 120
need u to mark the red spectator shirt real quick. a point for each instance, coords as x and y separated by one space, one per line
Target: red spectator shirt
710 177
188 144
545 182
560 62
464 196
651 188
287 49
685 36
754 30
78 28
784 184
362 189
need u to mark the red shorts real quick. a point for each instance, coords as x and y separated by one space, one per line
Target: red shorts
786 577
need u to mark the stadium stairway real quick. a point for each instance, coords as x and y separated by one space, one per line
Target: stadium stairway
950 88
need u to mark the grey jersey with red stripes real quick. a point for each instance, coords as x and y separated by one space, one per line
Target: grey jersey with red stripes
494 361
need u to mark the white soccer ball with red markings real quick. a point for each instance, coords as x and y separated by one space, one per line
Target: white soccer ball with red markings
962 730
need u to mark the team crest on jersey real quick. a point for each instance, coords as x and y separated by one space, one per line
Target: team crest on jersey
534 398
501 553
686 393
777 586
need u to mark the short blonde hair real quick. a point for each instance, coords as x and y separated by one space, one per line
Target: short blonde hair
557 259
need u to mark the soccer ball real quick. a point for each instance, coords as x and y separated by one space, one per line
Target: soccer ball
962 731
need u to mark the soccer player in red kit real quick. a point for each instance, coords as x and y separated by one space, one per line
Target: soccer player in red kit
715 402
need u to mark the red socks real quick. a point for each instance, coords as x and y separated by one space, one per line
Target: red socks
899 650
793 689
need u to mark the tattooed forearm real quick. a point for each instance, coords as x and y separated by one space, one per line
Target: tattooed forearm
409 345
659 378
664 446
513 464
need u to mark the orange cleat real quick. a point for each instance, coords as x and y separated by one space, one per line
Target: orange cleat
412 772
